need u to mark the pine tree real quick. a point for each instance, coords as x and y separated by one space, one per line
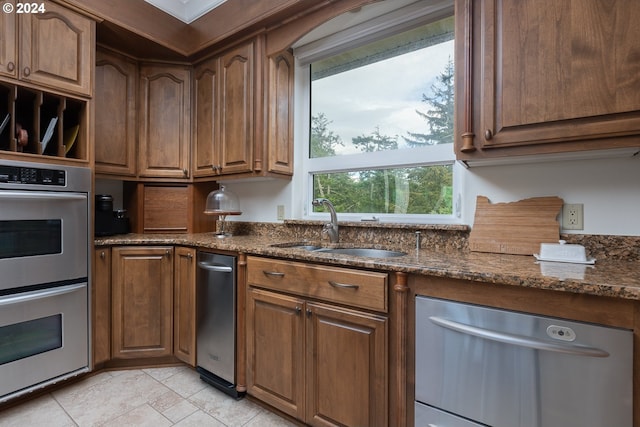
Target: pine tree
440 116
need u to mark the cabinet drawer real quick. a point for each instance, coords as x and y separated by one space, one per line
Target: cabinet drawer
333 284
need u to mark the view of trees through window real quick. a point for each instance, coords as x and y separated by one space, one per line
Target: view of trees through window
345 102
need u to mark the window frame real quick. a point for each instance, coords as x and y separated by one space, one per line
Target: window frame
383 26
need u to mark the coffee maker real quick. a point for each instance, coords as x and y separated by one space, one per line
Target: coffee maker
109 222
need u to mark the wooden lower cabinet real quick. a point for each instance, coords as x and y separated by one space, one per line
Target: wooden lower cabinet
142 298
144 303
101 305
184 305
275 350
320 363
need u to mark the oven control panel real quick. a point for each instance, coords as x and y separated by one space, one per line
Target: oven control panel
31 175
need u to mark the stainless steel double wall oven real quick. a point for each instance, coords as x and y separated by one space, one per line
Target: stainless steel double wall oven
44 275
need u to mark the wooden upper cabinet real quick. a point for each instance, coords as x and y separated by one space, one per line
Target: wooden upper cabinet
244 126
280 122
115 114
206 118
542 76
164 121
8 43
56 49
237 112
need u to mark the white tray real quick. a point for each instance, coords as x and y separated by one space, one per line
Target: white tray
587 261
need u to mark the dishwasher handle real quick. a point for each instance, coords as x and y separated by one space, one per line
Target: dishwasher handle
219 268
519 340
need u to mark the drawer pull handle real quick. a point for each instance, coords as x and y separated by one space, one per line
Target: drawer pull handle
343 285
272 273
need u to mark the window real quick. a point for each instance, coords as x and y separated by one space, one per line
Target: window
380 116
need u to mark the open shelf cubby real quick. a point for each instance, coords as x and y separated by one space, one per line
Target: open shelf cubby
40 123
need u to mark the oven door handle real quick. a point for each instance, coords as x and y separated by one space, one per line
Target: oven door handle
519 340
39 294
41 195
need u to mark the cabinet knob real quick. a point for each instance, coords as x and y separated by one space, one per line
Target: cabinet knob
189 256
102 255
488 134
27 71
298 310
309 312
167 252
185 172
11 66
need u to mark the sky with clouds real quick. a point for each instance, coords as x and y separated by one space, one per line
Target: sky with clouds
384 94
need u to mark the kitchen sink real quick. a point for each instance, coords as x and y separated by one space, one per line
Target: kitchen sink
363 252
305 246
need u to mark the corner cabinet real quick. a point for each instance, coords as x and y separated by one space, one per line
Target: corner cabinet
530 79
316 342
142 301
232 136
143 304
164 121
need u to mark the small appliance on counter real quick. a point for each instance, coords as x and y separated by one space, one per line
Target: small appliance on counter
109 222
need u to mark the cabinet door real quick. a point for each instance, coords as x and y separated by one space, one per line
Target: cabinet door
346 367
280 128
538 81
115 114
184 305
8 43
237 108
206 118
101 303
57 49
275 350
142 287
165 121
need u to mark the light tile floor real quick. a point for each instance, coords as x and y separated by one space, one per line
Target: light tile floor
156 397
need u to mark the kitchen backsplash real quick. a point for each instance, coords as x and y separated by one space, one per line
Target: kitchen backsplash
433 237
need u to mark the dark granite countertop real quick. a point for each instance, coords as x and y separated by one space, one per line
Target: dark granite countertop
612 278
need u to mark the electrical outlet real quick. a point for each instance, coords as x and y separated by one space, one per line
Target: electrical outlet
573 216
280 213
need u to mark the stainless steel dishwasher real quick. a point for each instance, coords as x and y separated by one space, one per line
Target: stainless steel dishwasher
480 366
216 320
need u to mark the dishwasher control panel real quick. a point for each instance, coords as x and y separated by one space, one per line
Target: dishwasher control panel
562 333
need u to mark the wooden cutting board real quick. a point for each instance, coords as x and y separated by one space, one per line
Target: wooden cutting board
515 227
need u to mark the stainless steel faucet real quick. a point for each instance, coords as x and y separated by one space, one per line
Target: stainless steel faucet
330 228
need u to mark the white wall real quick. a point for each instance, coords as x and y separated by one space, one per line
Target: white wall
608 188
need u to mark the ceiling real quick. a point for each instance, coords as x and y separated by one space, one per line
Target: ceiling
186 10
